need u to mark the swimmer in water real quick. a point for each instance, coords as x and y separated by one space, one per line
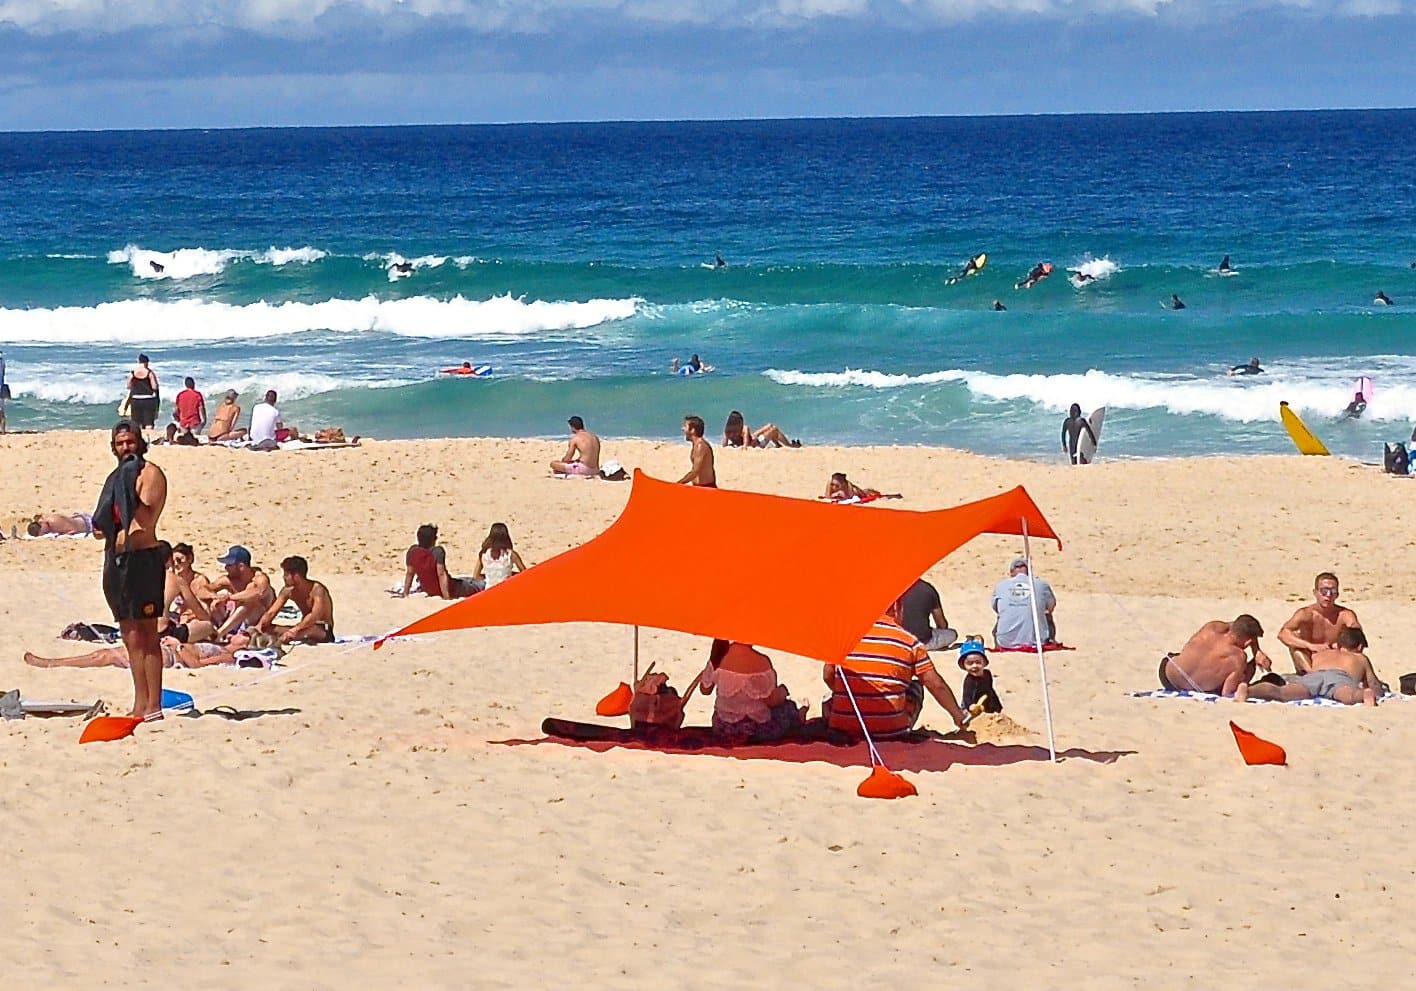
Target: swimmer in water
1176 303
1356 408
1252 368
1382 299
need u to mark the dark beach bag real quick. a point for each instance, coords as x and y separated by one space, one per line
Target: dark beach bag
1395 459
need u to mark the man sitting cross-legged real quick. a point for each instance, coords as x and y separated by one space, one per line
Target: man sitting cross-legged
316 607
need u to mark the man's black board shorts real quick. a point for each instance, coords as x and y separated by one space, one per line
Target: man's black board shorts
134 583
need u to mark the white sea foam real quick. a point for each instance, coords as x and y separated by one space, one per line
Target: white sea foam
1320 389
151 322
1096 268
186 263
288 256
62 385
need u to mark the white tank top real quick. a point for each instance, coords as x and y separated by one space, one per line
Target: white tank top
496 569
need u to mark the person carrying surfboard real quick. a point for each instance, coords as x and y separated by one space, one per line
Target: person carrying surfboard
1072 428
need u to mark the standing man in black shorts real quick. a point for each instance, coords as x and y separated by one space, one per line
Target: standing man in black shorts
134 569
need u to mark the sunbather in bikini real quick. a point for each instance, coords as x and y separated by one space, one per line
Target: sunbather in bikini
175 654
842 489
60 524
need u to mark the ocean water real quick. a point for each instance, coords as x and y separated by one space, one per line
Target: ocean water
577 260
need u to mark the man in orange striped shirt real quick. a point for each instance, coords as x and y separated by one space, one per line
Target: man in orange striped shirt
889 671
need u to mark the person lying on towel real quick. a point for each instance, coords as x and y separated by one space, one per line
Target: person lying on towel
750 704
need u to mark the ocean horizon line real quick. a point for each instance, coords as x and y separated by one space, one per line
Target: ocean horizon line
1082 114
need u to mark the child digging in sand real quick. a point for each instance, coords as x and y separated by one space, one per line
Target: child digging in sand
978 680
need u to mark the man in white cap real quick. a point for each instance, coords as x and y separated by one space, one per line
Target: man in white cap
1012 601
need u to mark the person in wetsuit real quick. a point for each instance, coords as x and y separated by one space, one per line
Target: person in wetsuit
1224 265
1072 428
1176 303
1252 368
134 564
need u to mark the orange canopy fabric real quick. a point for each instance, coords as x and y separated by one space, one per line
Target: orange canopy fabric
804 577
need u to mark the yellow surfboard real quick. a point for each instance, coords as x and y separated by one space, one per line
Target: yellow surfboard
1307 442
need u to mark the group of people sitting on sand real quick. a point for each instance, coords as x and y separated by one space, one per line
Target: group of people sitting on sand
881 686
1324 640
208 621
426 564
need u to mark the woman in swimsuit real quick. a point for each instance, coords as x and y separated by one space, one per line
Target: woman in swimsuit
498 560
842 489
736 433
175 654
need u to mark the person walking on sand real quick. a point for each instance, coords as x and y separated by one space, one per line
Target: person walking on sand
700 472
1072 428
582 454
143 394
134 566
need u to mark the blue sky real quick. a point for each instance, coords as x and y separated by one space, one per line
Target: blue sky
223 63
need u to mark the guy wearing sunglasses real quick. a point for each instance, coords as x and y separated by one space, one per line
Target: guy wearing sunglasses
1316 627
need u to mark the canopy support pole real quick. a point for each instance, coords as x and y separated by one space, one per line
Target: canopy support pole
874 754
1037 639
636 654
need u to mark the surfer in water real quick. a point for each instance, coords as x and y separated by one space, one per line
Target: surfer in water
1072 428
1082 278
1382 299
1357 407
1224 266
1252 368
718 262
971 267
157 267
998 306
1176 303
1035 275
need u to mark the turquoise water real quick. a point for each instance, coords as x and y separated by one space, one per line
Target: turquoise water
578 260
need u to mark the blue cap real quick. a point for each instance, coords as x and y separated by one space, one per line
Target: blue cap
236 555
971 646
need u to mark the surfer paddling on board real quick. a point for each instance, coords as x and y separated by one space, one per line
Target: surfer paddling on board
1382 299
1224 267
1035 275
1072 428
1252 368
718 262
971 267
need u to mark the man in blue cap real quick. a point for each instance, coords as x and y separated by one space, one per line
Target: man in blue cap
241 596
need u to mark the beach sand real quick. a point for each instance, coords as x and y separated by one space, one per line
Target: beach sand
366 828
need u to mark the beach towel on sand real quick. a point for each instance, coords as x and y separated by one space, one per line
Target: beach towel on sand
1161 693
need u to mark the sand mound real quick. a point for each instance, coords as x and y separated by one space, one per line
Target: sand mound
995 727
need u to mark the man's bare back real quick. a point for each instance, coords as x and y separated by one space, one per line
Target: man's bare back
1214 659
585 448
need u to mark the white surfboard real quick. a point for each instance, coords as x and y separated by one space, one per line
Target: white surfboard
1086 447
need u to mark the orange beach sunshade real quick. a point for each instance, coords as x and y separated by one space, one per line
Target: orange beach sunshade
794 575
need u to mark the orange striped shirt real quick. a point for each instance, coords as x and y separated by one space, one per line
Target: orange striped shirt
881 667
